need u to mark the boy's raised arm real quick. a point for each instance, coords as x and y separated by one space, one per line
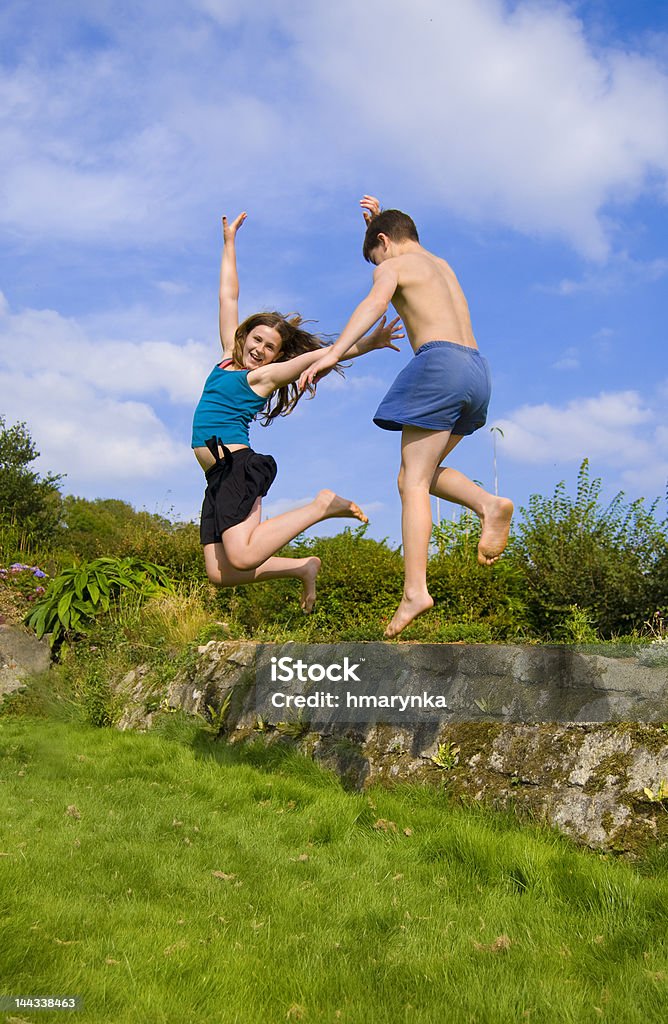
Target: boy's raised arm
363 318
228 293
267 379
370 208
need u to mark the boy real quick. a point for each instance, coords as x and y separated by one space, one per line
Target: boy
440 397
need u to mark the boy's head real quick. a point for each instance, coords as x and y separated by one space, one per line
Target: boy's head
394 225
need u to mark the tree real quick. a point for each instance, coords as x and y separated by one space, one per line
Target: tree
27 500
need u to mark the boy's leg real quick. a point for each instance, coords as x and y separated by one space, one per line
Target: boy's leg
421 453
494 513
249 544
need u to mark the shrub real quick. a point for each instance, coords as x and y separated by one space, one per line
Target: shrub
465 592
605 560
360 583
80 593
110 527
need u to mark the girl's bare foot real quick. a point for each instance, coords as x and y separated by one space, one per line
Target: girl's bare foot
495 530
408 610
335 506
308 576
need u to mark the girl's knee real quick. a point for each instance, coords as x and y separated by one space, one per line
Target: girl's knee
241 560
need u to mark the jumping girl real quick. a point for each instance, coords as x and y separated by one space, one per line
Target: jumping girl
262 359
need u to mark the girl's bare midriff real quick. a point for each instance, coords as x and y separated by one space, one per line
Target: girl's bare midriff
430 301
206 459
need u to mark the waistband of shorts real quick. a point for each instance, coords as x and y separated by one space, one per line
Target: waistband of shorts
429 345
239 453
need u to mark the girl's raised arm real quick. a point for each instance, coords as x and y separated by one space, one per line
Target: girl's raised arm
228 294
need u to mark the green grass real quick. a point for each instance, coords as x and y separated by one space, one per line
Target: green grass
381 908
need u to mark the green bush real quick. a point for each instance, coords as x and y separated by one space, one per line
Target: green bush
465 592
79 594
360 583
114 528
612 562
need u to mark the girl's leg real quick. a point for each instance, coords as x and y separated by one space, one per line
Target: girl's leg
249 544
221 572
494 513
421 452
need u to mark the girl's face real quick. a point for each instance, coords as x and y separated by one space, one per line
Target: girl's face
262 346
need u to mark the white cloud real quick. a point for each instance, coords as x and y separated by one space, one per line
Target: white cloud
570 360
614 427
621 272
624 431
504 114
89 402
34 339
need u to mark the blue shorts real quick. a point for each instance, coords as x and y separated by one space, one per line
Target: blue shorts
444 387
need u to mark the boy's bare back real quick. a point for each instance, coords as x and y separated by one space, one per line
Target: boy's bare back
427 297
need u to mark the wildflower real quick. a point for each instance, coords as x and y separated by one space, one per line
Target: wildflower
38 573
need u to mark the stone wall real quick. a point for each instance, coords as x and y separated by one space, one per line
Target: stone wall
572 737
21 655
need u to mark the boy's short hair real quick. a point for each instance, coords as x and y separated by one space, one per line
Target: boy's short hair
396 225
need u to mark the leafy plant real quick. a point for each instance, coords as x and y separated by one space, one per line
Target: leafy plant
660 795
490 600
446 757
215 723
295 728
578 627
79 594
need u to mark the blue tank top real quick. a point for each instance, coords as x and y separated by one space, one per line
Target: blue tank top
227 406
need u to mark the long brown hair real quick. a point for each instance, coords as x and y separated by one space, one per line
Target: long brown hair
294 342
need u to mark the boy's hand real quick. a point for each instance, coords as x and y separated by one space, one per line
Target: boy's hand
384 334
316 371
230 230
370 208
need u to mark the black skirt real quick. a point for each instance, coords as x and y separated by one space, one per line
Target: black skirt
232 487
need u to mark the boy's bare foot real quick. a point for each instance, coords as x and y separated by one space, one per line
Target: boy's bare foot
408 610
336 506
495 530
308 576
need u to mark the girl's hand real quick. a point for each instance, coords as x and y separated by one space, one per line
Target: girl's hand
230 230
370 208
317 371
383 335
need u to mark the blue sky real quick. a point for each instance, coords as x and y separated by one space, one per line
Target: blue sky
528 140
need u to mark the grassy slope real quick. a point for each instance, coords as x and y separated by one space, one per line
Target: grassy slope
109 845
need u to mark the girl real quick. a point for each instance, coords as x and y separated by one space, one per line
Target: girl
263 358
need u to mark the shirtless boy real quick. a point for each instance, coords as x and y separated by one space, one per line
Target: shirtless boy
440 397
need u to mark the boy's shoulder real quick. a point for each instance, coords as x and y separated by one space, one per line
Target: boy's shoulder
413 264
